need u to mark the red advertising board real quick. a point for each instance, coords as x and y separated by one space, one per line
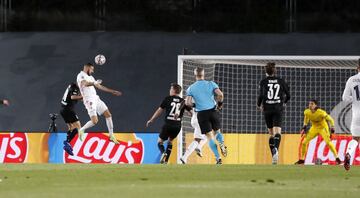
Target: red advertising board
317 149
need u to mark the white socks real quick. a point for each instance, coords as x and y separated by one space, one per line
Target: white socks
352 146
89 124
110 126
194 145
202 143
190 149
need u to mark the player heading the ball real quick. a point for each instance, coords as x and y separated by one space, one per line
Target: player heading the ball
92 102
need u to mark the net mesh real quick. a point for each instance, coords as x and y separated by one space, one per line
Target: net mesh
321 78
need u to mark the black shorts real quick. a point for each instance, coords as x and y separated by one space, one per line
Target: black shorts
209 120
69 115
169 131
273 118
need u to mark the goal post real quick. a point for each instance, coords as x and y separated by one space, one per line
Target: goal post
319 77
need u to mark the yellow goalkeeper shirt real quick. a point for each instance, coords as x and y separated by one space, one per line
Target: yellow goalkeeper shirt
319 119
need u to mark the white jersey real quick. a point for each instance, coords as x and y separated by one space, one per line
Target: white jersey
352 94
87 92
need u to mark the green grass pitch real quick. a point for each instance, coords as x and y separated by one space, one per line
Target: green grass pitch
89 180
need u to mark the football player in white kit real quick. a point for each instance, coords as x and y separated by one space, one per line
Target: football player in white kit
93 104
198 142
352 94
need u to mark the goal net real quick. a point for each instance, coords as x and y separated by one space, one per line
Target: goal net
319 77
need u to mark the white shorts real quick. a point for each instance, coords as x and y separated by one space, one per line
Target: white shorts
95 106
196 126
355 126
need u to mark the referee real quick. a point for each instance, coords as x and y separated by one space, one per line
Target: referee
208 99
273 95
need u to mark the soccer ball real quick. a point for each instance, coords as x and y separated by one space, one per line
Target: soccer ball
100 59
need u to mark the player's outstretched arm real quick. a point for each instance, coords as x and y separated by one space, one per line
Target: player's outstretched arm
5 102
157 113
304 128
85 83
103 88
76 97
331 122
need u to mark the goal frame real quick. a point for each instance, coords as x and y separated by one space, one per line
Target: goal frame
231 59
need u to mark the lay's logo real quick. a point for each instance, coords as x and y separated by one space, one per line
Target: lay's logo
96 148
317 149
13 147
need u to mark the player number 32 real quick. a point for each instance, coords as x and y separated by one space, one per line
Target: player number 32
271 91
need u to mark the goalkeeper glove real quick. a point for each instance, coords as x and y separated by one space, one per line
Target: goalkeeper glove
303 130
332 131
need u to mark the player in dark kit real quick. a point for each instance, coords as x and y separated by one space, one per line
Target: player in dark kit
172 106
70 98
274 94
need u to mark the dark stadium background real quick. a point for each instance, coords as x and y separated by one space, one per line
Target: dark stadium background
43 45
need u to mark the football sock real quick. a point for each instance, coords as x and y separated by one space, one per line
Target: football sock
352 146
271 145
68 136
277 140
161 147
71 135
214 149
202 143
110 126
190 149
219 137
168 151
89 124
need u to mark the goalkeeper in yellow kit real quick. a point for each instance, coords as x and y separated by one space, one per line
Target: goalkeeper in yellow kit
320 121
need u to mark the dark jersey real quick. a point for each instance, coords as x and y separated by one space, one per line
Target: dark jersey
71 90
172 106
274 92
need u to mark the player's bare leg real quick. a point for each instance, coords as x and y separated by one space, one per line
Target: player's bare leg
110 126
350 152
